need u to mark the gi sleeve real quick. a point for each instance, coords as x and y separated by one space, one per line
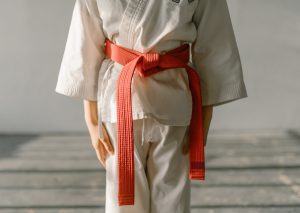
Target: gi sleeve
83 54
215 54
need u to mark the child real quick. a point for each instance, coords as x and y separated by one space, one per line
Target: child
129 61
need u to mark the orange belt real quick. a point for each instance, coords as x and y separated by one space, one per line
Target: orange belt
147 64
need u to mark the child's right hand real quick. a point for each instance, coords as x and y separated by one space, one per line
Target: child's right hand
102 146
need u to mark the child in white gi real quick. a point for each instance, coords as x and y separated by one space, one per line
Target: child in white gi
162 103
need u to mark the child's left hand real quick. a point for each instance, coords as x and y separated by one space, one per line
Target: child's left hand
207 116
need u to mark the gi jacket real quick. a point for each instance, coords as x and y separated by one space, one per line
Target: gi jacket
152 26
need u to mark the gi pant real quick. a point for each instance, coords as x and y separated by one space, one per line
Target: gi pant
162 184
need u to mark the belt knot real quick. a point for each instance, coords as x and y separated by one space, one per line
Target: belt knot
149 63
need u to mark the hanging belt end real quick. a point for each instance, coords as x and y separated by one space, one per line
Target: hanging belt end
197 176
197 171
126 200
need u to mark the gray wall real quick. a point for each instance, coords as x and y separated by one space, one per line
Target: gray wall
32 39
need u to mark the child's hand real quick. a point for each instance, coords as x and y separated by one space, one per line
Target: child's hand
101 146
207 116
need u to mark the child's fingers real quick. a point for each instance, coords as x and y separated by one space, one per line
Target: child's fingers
101 154
106 141
205 139
185 148
185 145
207 117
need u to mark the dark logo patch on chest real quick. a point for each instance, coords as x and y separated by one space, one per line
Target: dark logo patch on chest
177 1
190 1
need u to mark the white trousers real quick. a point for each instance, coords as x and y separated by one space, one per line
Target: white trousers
162 184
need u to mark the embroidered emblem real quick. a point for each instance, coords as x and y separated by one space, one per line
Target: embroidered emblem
177 1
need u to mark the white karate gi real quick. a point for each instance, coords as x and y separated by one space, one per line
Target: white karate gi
161 170
152 26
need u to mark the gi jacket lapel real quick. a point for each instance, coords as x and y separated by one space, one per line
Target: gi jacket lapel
131 15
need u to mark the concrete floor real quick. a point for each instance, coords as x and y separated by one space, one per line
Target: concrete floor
248 171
